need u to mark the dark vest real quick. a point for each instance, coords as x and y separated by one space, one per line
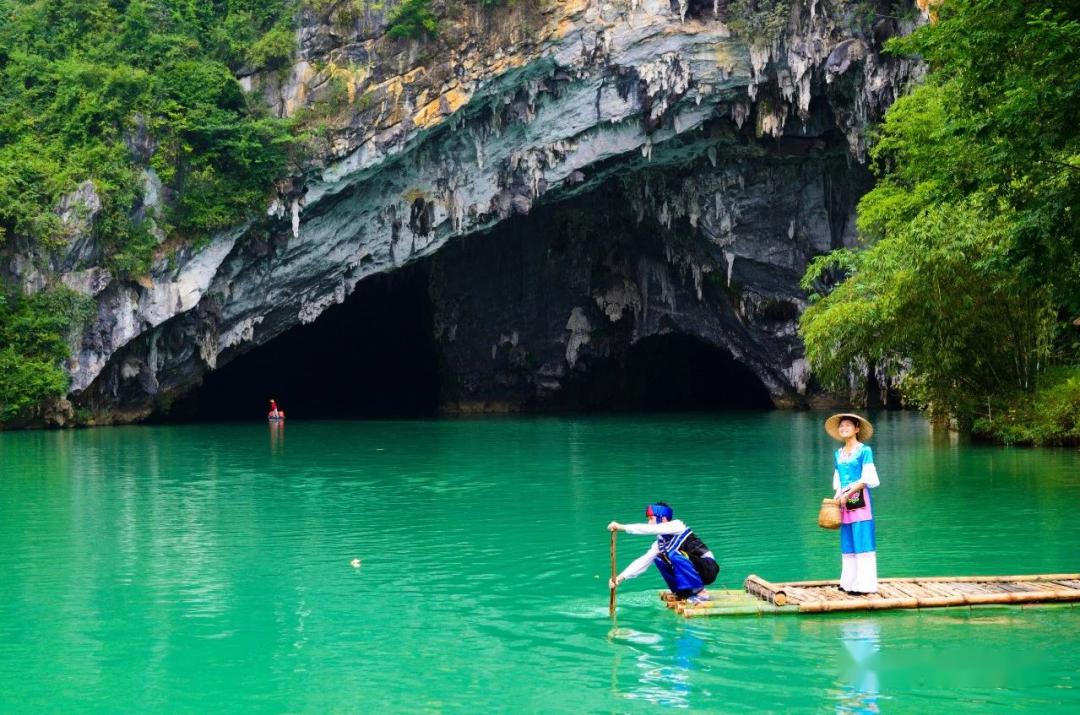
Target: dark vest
684 562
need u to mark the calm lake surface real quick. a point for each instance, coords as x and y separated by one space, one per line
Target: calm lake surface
206 568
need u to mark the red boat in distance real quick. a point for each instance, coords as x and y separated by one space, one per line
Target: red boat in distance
275 414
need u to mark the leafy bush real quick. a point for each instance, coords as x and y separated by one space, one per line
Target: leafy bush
273 49
413 19
1049 416
34 335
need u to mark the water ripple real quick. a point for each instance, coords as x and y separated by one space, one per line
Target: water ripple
208 568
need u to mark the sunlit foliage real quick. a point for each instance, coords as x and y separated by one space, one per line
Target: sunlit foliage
969 282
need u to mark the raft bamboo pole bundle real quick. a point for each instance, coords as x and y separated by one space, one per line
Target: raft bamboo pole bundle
935 592
945 579
770 592
714 594
752 609
966 599
743 599
766 597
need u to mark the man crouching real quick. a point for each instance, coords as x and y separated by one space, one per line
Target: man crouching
682 558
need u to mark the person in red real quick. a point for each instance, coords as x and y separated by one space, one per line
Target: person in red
275 413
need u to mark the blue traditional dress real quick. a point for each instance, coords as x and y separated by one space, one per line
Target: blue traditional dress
683 560
858 547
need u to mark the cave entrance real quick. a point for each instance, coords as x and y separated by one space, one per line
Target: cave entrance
672 373
372 356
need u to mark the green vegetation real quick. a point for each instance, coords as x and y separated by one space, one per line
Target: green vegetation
34 335
758 19
100 90
416 19
1049 416
413 18
344 14
104 90
970 278
82 81
81 78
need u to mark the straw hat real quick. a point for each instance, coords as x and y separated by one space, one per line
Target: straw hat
866 430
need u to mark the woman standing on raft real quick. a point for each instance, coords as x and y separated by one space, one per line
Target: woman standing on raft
853 477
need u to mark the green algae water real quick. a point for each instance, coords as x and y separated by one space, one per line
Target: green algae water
207 568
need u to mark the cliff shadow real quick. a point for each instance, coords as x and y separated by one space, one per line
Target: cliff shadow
370 357
668 373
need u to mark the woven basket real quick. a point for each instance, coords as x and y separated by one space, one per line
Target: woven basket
829 515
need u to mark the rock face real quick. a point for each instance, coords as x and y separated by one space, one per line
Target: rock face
526 314
670 176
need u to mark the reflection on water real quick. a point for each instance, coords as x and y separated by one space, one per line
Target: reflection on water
192 569
859 687
277 437
665 664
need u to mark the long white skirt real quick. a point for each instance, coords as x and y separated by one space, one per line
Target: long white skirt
858 572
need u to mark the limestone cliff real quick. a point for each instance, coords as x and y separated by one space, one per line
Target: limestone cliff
704 168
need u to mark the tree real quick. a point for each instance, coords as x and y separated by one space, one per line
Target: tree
970 275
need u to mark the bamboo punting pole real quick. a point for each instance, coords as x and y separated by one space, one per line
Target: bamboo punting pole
611 601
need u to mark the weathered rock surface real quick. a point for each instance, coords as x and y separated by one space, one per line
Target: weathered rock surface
527 315
743 156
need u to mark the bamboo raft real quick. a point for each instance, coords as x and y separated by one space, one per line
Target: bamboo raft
764 597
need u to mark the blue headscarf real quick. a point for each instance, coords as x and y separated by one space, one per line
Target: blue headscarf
660 510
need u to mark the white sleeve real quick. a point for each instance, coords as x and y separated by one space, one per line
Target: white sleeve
639 565
666 527
835 479
869 475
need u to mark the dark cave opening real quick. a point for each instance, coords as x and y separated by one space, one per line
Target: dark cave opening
373 356
670 373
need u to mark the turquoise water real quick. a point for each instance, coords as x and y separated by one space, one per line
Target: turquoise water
207 568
